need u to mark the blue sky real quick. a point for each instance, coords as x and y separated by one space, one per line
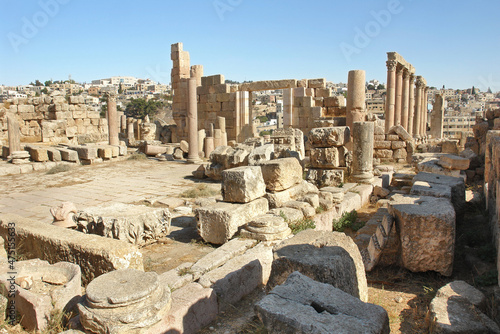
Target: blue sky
452 43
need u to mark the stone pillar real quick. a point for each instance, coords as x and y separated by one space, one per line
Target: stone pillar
201 141
362 155
123 123
411 105
390 97
197 72
399 94
209 146
355 104
193 154
130 130
424 111
180 73
221 124
417 125
405 99
437 117
287 107
14 135
112 121
138 129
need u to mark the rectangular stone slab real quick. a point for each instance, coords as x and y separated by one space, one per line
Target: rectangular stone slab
220 222
94 254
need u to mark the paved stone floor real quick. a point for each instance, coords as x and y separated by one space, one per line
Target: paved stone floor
32 195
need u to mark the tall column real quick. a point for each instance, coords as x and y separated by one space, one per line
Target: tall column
13 135
193 154
221 124
424 110
287 107
418 107
399 95
405 98
411 105
390 97
123 123
355 103
437 117
362 157
130 130
112 120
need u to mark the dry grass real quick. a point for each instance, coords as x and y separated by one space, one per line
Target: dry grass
59 169
200 190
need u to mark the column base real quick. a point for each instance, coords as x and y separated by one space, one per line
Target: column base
364 177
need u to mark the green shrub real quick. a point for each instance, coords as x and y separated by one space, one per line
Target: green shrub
301 225
347 220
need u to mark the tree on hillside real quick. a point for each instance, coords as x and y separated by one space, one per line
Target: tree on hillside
48 83
139 108
380 86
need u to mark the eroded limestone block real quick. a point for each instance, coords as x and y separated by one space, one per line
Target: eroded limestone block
38 154
218 223
325 177
302 305
268 227
242 184
451 161
281 174
327 257
457 185
278 199
328 137
261 154
427 232
135 224
124 300
327 157
458 308
64 214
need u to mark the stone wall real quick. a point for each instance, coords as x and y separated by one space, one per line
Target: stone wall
53 119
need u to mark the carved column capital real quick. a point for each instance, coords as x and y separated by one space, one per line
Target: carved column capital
391 65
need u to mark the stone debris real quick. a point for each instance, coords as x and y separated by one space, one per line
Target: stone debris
459 308
64 215
267 227
242 184
328 257
303 305
124 300
281 174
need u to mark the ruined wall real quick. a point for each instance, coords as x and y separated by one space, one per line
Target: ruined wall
54 119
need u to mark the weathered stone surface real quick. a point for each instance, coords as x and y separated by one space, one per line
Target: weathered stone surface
381 192
337 193
451 161
221 255
261 154
289 214
269 85
92 253
458 308
305 207
124 300
456 183
56 286
220 222
38 154
450 146
281 174
240 275
64 214
68 155
328 137
401 132
242 184
328 257
135 224
85 152
327 157
278 199
302 305
427 232
268 227
325 177
422 188
54 154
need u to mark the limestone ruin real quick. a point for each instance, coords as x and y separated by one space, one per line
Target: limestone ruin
331 158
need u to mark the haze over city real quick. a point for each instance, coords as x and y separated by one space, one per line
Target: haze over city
451 43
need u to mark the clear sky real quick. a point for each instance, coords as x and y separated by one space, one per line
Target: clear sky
453 43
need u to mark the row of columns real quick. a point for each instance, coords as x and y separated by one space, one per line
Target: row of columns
406 97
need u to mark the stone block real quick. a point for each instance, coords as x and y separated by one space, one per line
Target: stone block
68 155
451 161
305 207
351 201
92 253
85 152
383 154
399 153
450 146
384 144
401 132
269 85
392 137
423 188
38 154
327 257
219 223
327 157
303 305
54 154
316 83
281 174
242 184
328 137
457 185
278 199
427 232
325 177
105 152
261 154
398 144
240 275
364 191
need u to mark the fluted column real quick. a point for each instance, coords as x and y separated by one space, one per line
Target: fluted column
411 105
362 157
399 94
193 153
390 97
405 99
424 110
112 120
417 126
355 102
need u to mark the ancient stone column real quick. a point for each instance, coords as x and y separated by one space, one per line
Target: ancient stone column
14 135
362 157
209 146
411 105
390 98
197 72
201 140
355 104
287 107
424 111
437 117
417 125
221 124
138 129
399 94
130 130
193 154
112 120
405 99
